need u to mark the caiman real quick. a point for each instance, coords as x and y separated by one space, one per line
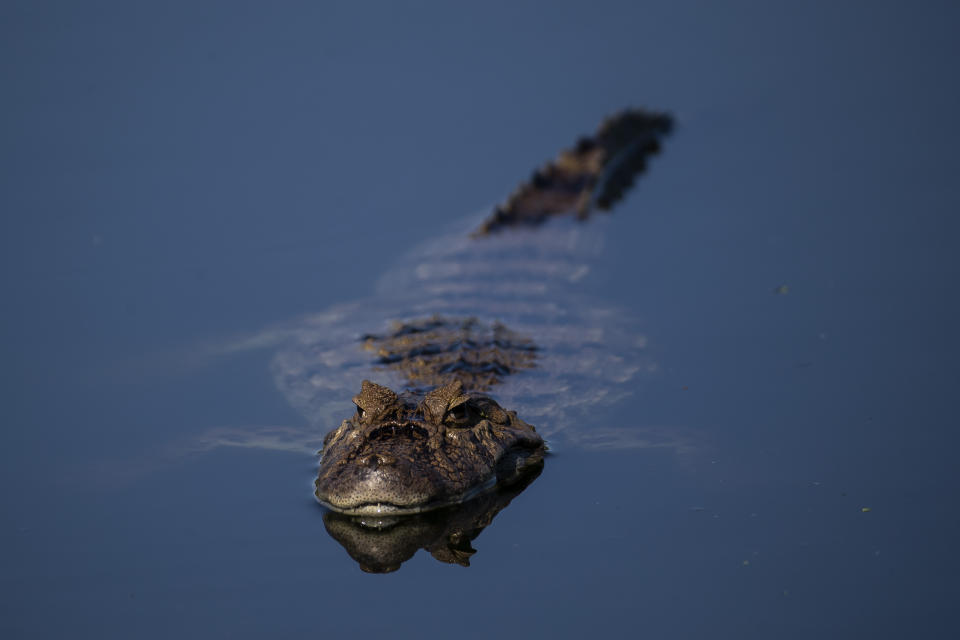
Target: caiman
443 439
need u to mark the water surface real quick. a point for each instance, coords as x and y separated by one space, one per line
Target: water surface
177 177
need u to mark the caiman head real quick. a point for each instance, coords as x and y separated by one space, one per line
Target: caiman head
400 454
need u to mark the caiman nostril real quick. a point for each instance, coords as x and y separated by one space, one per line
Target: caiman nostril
375 460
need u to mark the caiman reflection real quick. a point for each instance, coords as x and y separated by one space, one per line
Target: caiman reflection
382 544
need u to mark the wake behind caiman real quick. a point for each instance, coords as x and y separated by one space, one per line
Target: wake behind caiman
443 439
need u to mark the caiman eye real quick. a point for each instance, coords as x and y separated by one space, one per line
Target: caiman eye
458 414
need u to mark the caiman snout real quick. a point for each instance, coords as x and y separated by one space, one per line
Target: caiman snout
379 483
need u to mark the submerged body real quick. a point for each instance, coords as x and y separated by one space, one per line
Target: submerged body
444 439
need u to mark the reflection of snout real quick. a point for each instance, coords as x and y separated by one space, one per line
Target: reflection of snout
382 544
379 482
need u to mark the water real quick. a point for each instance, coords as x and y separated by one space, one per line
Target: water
177 177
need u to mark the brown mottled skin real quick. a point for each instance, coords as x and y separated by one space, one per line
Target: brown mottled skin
401 454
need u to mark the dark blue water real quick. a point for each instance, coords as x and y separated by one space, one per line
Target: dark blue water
179 174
